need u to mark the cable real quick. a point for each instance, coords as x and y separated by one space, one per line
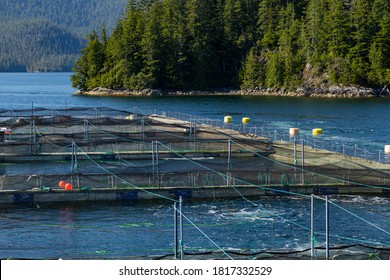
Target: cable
123 180
204 234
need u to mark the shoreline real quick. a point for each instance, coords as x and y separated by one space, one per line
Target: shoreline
331 92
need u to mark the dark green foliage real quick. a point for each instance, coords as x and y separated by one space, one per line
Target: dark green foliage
208 44
37 45
47 35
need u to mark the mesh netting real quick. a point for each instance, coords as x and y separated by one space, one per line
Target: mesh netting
120 149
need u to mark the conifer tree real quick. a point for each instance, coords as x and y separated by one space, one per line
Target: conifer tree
87 68
379 53
202 45
361 33
253 72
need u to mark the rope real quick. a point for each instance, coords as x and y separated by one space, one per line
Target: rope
312 172
248 200
360 218
204 234
127 182
223 175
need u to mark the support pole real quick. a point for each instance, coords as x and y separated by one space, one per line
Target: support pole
143 129
303 152
229 153
312 227
175 243
181 228
157 163
74 167
303 162
34 137
153 163
86 124
295 151
327 226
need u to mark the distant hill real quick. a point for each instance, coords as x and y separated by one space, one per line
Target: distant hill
47 35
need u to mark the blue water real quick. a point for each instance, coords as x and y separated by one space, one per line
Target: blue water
126 231
131 231
358 121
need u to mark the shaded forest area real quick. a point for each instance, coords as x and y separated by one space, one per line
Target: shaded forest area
47 35
210 44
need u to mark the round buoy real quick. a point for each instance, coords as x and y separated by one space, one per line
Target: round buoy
227 119
294 131
62 184
387 149
246 120
317 131
68 187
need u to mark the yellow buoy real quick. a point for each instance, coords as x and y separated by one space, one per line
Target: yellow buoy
387 149
227 119
294 131
317 131
246 120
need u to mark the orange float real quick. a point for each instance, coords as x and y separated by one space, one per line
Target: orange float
62 184
68 187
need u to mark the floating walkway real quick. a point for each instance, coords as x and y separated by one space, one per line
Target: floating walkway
111 155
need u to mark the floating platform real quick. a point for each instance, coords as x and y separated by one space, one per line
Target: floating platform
111 155
37 197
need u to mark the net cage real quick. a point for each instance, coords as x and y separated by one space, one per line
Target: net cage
108 148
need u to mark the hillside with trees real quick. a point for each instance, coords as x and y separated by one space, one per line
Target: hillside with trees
47 35
210 44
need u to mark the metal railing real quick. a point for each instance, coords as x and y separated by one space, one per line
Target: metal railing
315 142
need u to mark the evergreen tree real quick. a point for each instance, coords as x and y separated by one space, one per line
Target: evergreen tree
361 33
267 23
87 68
176 49
379 53
288 47
274 71
253 72
316 30
202 44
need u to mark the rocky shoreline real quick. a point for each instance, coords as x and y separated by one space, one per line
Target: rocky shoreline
330 92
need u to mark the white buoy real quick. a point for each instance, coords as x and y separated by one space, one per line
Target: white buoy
387 149
294 131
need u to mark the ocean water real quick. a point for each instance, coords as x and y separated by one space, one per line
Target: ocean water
124 231
120 231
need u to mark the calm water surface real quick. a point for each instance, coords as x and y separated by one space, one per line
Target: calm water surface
358 121
124 231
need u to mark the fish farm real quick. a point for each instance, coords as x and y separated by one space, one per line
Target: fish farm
107 154
79 155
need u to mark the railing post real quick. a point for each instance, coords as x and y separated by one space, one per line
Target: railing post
229 153
295 152
312 226
175 243
181 228
327 227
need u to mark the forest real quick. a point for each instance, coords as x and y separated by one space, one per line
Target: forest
214 44
47 35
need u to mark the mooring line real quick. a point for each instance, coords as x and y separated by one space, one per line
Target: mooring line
125 181
204 234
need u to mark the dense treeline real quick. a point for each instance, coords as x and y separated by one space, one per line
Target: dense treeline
37 45
47 35
203 44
